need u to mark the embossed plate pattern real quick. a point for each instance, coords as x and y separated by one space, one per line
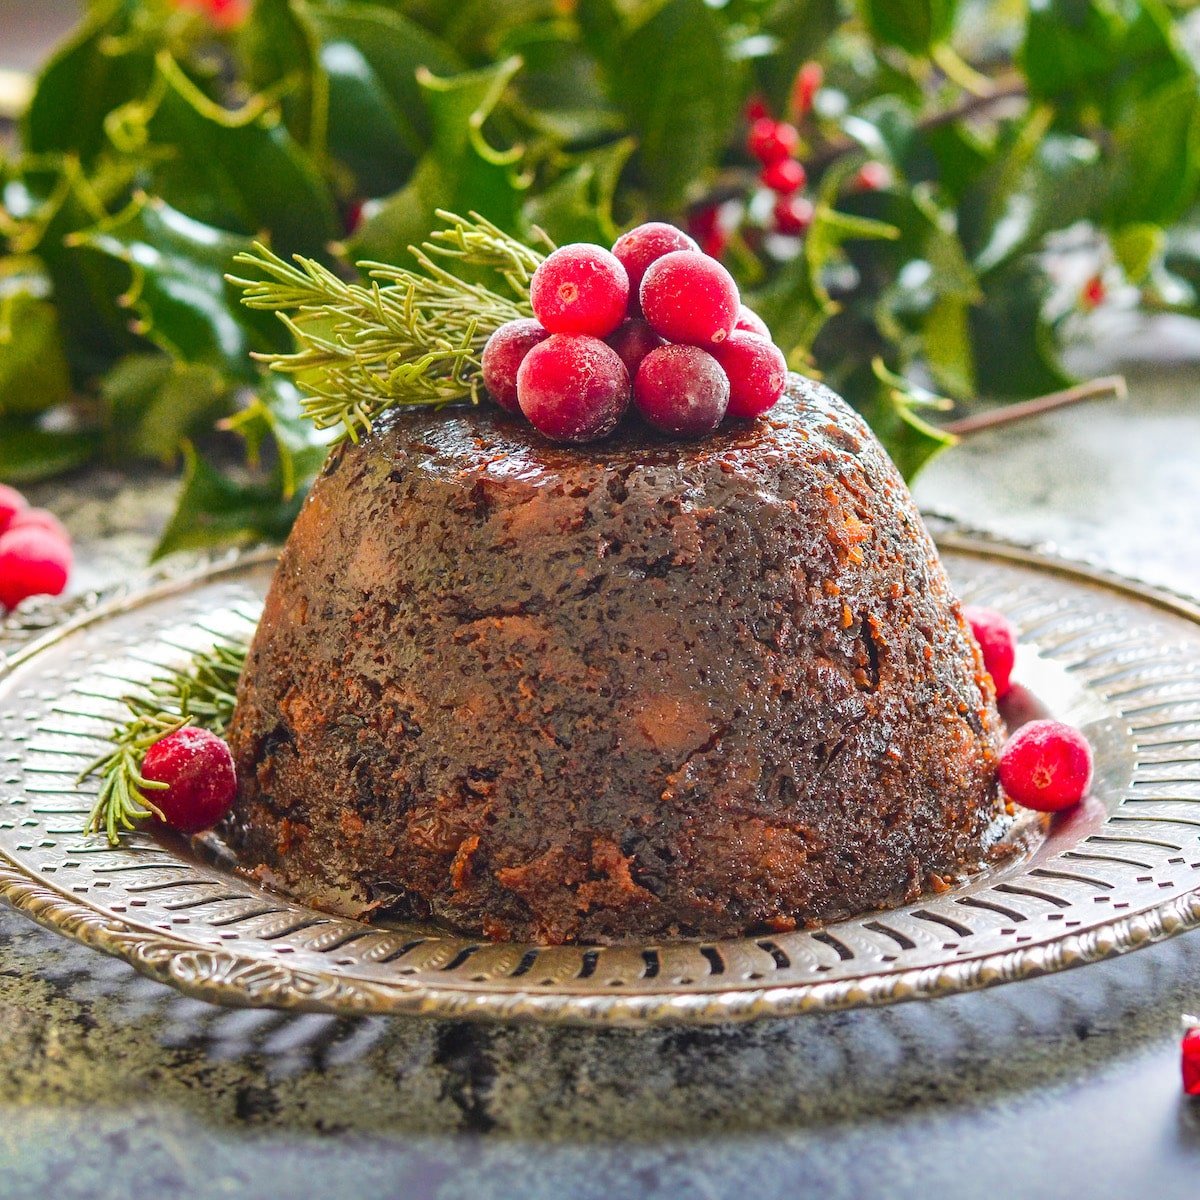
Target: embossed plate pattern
1119 659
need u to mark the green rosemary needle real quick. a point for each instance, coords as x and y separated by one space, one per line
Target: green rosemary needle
408 336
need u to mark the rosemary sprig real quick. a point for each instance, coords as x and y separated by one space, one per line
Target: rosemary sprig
409 336
202 693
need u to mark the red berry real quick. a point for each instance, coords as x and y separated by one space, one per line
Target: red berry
1046 765
785 177
1190 1061
873 177
705 221
750 322
757 373
681 390
1094 293
756 108
33 562
573 389
580 289
633 341
771 141
998 641
689 297
201 780
11 501
793 215
714 243
808 83
638 248
503 355
39 518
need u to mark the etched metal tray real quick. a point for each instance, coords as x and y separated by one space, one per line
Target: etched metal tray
1117 658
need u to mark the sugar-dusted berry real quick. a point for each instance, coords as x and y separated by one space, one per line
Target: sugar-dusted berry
502 358
11 502
689 297
580 288
39 518
33 562
750 322
573 388
633 340
681 390
638 248
201 779
998 641
1046 765
757 373
1189 1053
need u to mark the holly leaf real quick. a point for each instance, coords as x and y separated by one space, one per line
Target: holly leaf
913 25
179 293
30 453
461 171
578 205
33 367
894 414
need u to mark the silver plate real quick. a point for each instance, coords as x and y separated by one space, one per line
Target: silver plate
1117 658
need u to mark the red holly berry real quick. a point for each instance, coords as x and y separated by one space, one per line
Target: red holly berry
1046 765
201 779
793 214
573 388
998 641
715 244
681 390
688 297
221 14
633 341
808 83
39 518
638 248
11 502
1189 1049
771 141
757 373
502 358
749 321
873 177
580 288
33 562
1094 293
785 177
756 109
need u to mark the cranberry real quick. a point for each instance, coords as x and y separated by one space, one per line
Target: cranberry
771 141
1190 1061
873 177
11 502
503 355
633 341
793 214
573 388
201 780
998 641
1046 765
580 289
681 390
638 248
39 518
750 322
785 177
808 83
757 373
756 108
33 562
689 297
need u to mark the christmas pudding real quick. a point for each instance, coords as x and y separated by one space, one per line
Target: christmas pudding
637 689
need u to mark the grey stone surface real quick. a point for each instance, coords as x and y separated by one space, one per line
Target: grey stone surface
111 1085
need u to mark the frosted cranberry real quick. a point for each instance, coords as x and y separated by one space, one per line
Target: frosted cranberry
1046 765
580 289
33 562
998 641
750 322
873 177
638 248
39 518
1189 1053
681 390
503 355
757 373
785 177
11 502
689 297
201 779
793 214
633 341
771 141
808 83
573 388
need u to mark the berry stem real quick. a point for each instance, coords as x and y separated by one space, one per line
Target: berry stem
1108 387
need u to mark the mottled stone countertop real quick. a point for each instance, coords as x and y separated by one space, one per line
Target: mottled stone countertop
111 1085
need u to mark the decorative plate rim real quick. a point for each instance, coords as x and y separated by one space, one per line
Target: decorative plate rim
245 976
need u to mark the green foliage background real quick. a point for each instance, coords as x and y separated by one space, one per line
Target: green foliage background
156 147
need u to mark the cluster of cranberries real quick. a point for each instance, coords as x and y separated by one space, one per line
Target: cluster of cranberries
35 551
1045 765
654 321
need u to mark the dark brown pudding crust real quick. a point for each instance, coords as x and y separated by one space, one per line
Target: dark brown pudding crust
633 690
